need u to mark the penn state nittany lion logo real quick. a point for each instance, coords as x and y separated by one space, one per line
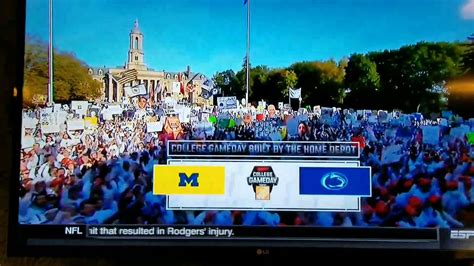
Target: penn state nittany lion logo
334 181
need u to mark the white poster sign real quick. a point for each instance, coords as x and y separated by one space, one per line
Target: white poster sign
75 124
227 102
29 122
154 127
80 107
280 105
135 90
176 87
184 114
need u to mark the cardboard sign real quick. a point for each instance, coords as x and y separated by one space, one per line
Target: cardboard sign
292 127
405 120
90 122
57 107
173 126
470 138
49 123
269 130
447 114
154 127
48 129
184 113
27 141
80 107
176 88
383 117
203 129
471 123
223 123
392 154
459 132
431 135
75 124
227 102
443 122
29 122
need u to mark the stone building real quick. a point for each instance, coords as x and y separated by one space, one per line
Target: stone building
159 84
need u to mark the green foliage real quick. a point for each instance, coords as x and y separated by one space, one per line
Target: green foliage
321 82
361 79
36 69
71 78
468 58
410 78
415 75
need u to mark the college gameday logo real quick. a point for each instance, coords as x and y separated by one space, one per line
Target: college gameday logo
262 179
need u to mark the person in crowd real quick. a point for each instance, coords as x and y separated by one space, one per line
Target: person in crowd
103 174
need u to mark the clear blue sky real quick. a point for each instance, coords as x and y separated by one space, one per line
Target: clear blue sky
210 35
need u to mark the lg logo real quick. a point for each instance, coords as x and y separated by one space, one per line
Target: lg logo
261 252
461 234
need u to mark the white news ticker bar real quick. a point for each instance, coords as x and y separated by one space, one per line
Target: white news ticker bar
239 195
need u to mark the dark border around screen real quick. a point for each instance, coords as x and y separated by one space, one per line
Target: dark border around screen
196 249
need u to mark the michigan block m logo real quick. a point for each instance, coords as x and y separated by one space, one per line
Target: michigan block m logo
184 180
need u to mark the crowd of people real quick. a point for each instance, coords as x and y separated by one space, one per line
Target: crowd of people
103 173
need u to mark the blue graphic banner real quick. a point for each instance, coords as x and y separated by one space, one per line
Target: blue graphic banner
341 181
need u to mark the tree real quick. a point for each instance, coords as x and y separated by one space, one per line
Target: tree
412 75
321 82
276 86
288 81
225 80
35 69
405 78
362 80
71 78
259 88
468 56
461 90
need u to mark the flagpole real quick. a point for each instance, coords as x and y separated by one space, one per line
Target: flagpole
50 55
248 54
289 96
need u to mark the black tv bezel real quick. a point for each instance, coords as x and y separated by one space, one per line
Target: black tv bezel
172 248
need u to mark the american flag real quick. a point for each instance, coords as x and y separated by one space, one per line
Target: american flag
127 76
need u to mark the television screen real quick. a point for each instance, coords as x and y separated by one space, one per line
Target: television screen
246 123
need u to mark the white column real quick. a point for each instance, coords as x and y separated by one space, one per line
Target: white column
111 87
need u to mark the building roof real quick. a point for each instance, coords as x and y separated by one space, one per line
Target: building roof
98 71
136 28
101 71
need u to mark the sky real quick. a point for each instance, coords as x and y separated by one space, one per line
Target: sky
210 35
